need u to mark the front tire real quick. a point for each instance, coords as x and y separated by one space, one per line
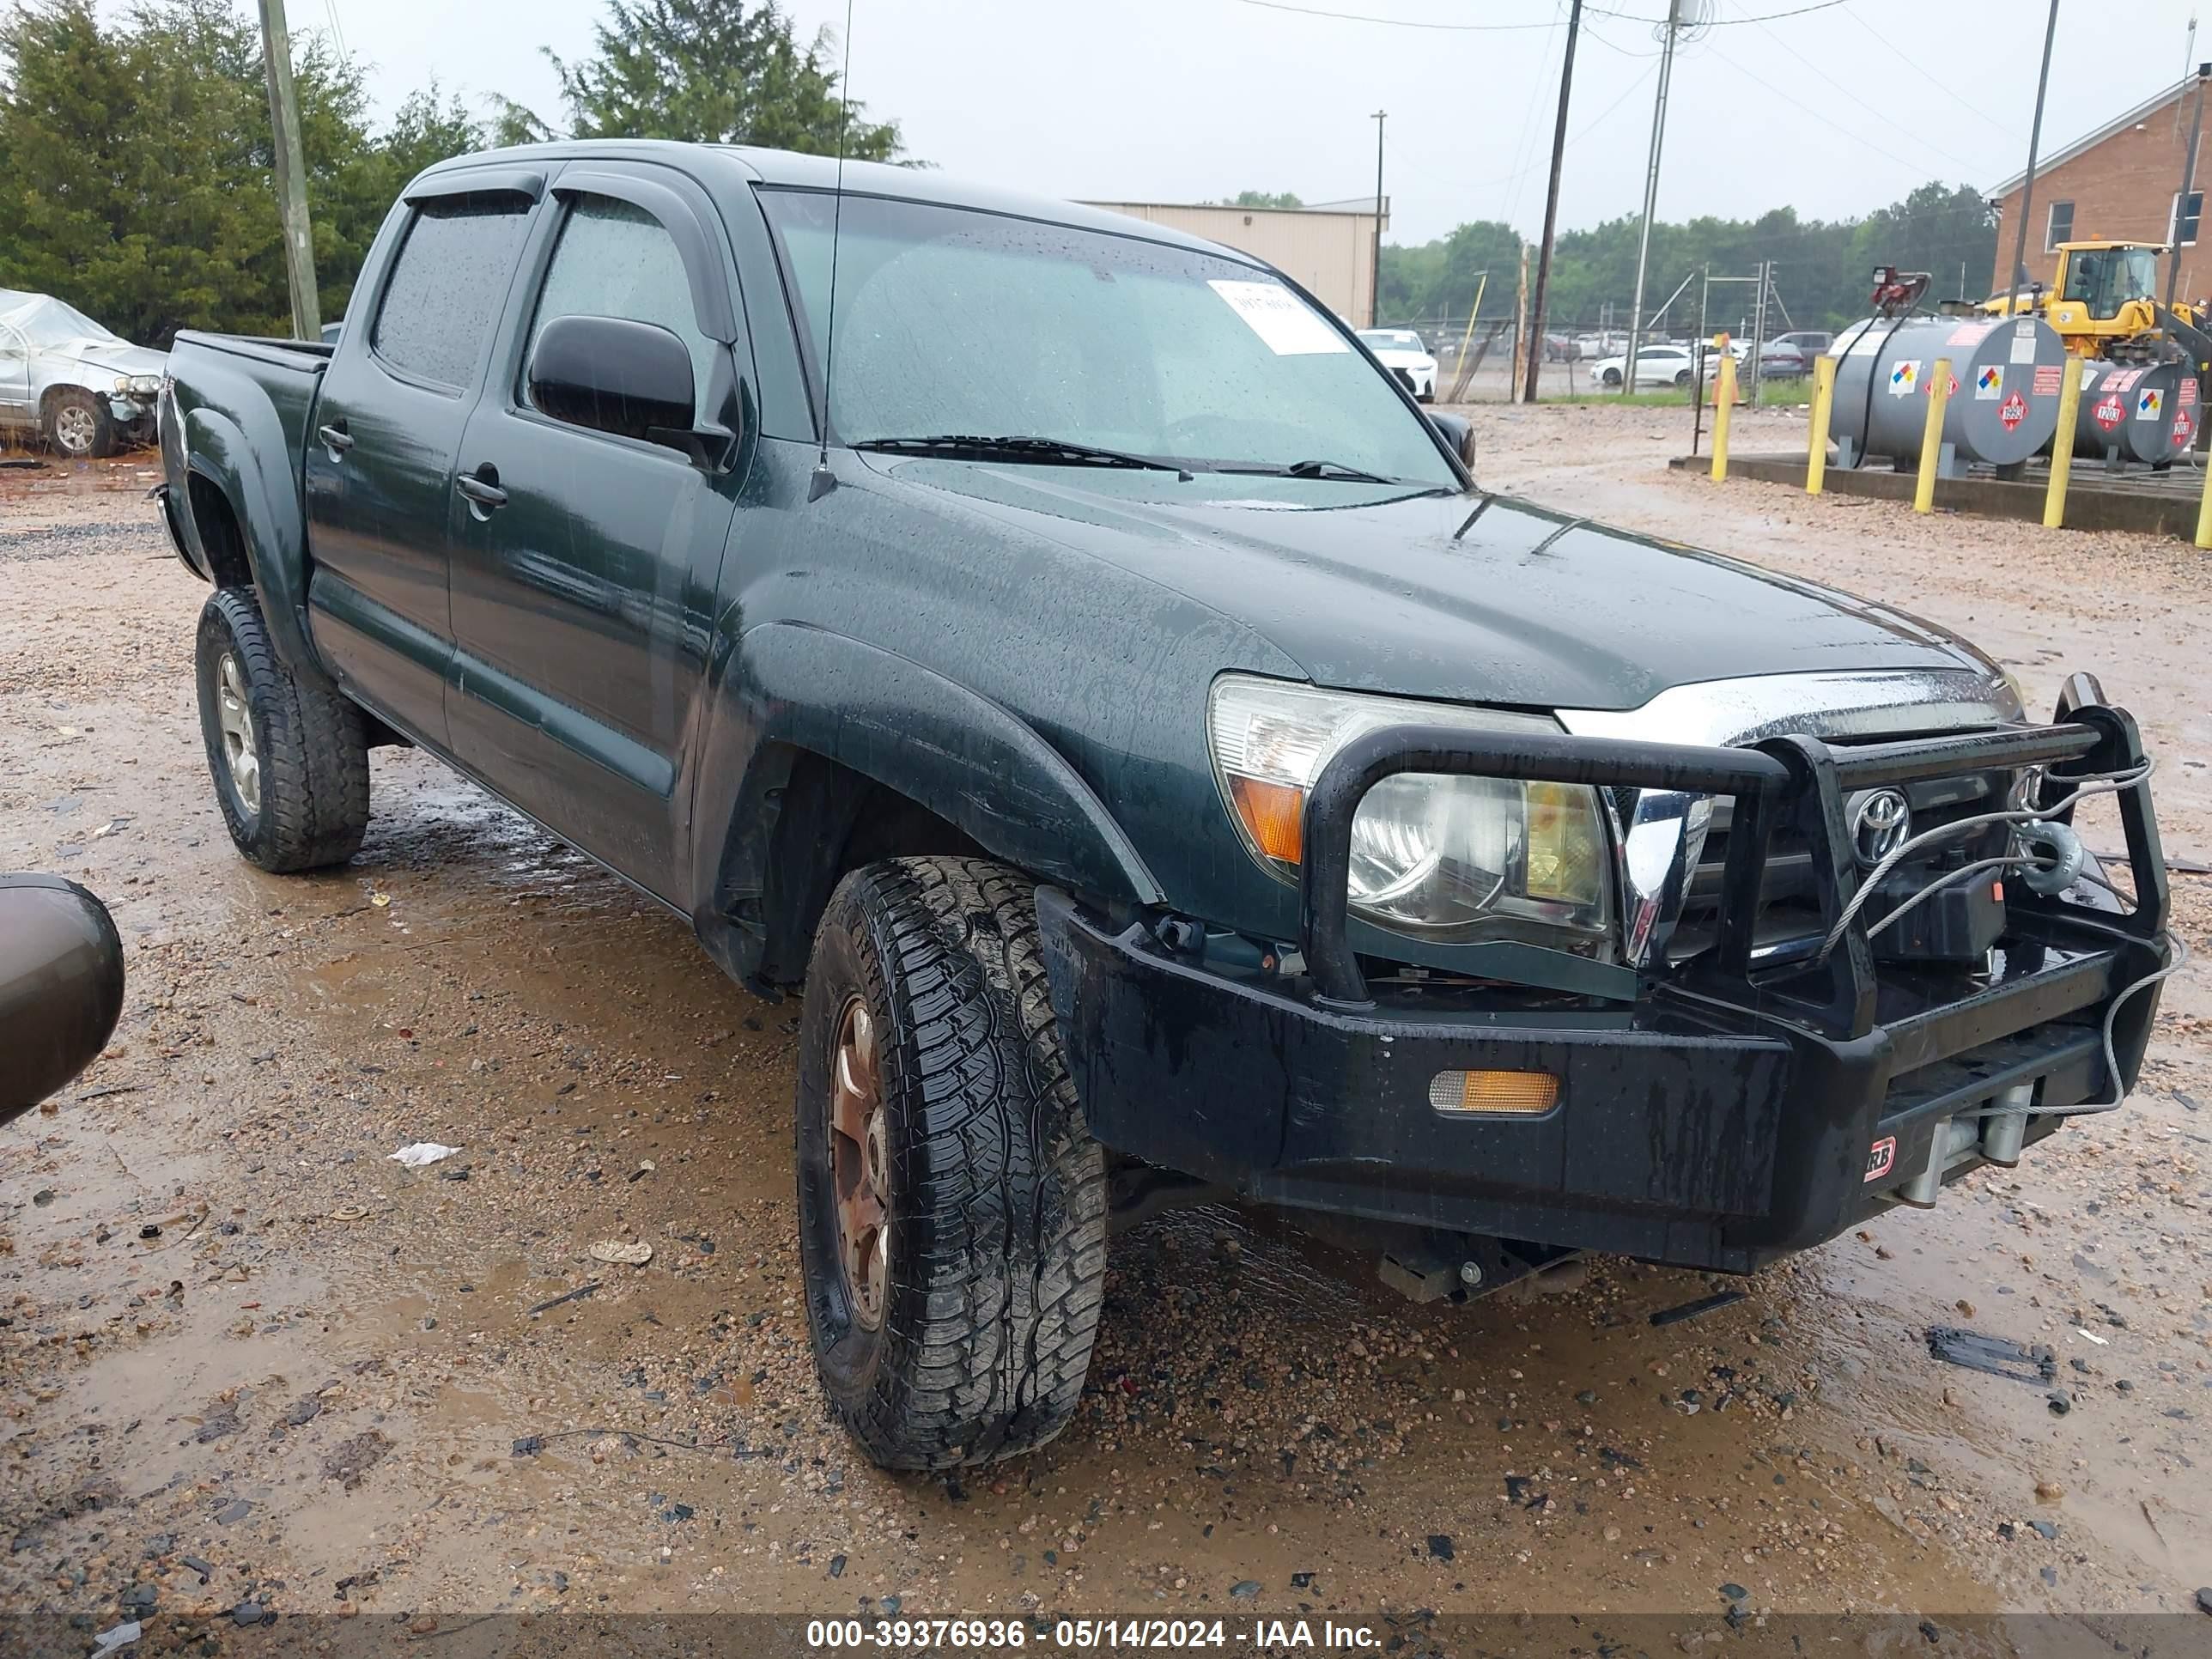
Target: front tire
1612 379
952 1203
290 762
1682 377
79 426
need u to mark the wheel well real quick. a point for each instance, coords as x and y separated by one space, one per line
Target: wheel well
821 822
221 539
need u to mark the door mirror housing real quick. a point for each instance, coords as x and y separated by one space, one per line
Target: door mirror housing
61 986
616 375
1458 432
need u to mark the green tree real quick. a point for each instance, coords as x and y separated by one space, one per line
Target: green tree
136 162
711 71
1264 198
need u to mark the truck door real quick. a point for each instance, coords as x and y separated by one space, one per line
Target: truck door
585 567
380 469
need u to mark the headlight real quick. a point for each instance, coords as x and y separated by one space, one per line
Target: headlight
123 385
1447 858
146 385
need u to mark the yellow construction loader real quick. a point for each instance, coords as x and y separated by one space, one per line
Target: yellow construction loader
2104 303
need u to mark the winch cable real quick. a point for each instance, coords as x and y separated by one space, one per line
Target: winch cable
2098 783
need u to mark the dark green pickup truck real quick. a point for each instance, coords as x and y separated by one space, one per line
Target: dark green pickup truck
1068 655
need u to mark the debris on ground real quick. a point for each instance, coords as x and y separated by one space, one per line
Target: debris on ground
422 1153
621 1253
1996 1356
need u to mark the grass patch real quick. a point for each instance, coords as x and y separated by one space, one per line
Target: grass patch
1773 394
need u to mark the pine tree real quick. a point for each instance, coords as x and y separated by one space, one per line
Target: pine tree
711 71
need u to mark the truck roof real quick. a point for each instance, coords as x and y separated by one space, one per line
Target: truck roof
740 164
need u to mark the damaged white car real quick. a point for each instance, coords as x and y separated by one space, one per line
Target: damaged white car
66 379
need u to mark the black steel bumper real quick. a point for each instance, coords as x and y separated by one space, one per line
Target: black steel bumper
1729 1114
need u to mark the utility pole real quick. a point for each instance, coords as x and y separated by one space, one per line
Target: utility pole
2188 185
1552 207
291 172
1375 288
1672 26
2028 184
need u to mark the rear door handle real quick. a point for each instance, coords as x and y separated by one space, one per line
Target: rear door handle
336 438
481 489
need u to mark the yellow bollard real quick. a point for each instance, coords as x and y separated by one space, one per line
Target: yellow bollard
1931 436
2204 512
2062 447
1816 447
1724 404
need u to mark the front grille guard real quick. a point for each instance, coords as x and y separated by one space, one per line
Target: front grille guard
1792 781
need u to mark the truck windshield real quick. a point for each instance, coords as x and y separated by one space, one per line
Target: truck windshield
954 321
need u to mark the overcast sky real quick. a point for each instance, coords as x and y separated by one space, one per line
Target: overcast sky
1837 110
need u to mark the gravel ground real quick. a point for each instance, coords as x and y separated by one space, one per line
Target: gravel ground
245 1358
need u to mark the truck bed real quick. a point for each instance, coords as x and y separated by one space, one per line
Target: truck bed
223 368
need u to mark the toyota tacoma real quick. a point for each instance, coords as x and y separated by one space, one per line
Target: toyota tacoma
1057 649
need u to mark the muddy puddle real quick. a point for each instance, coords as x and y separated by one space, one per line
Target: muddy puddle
323 1376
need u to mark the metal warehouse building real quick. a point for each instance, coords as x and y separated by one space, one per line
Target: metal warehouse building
1328 247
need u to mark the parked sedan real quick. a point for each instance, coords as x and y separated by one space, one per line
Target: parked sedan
66 379
1401 352
1656 366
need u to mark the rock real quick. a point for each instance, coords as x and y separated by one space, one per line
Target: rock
2205 1600
248 1613
837 1566
1440 1546
2049 1491
1735 1592
1245 1589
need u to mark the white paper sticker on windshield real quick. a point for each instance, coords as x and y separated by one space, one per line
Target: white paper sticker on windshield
1279 318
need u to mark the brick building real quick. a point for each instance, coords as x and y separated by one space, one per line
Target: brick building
2122 182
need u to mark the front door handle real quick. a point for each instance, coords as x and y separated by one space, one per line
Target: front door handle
481 490
336 438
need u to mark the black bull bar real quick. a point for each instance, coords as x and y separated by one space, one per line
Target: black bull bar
1790 782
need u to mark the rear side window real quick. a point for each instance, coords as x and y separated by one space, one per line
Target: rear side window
446 286
616 261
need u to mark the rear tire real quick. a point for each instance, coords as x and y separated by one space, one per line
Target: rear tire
288 761
952 1234
79 426
1612 379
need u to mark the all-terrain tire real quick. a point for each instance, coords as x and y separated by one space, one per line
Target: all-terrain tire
311 759
79 426
997 1193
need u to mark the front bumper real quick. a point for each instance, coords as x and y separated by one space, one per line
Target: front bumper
1731 1115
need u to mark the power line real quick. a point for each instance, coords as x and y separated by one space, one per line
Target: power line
1905 58
1508 28
1399 22
1810 110
1971 167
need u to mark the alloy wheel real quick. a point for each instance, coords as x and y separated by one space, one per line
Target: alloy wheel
234 715
859 1156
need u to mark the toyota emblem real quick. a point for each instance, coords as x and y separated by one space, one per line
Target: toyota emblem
1881 820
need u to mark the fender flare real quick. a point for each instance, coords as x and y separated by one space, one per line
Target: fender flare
272 522
793 687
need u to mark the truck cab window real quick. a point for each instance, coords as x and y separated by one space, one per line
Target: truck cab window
447 285
616 261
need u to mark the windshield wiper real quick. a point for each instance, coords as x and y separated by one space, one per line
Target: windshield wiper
1332 470
1045 452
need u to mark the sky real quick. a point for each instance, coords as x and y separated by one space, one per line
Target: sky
1837 110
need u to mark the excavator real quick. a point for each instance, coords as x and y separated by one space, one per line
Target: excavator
2104 303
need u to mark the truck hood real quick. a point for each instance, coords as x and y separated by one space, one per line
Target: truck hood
1464 599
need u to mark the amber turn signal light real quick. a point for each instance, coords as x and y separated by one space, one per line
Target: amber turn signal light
1274 813
1506 1094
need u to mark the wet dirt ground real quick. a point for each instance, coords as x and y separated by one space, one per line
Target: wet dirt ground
247 1357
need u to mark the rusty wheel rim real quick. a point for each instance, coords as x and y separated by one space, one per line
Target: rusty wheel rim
859 1159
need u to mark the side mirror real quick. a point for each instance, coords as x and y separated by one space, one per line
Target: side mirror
615 374
1458 432
61 986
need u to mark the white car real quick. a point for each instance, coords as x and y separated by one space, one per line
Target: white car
1656 366
1400 351
65 378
